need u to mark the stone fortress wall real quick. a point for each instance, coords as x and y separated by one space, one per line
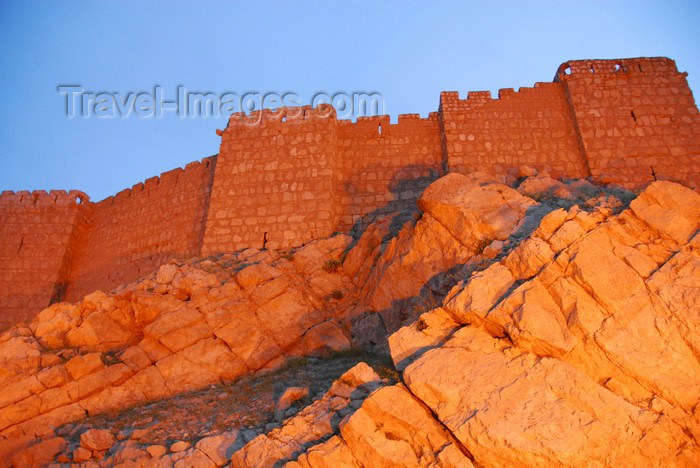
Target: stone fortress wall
286 177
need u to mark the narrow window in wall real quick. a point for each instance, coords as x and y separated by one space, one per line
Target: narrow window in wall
633 115
617 67
380 129
284 119
639 65
264 240
592 70
21 244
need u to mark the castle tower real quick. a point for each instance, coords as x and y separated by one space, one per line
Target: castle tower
636 119
36 230
274 180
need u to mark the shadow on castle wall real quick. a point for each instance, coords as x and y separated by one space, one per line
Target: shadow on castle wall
404 189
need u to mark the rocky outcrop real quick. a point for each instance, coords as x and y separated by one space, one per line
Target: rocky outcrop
578 348
187 326
562 332
412 271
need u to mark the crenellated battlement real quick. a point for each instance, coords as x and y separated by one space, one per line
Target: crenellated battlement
451 100
287 176
41 197
170 178
629 66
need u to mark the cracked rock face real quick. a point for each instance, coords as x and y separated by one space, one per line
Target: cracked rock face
570 338
590 358
183 328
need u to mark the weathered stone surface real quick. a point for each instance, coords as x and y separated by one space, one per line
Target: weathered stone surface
422 253
97 439
180 374
147 306
100 331
367 249
670 209
313 424
156 451
518 406
19 354
538 324
330 454
472 210
528 258
214 356
410 342
178 329
219 448
471 302
248 340
112 397
586 327
126 453
324 337
580 349
135 357
43 424
20 390
40 454
193 280
195 458
83 365
166 274
53 376
81 454
313 256
542 186
179 446
288 397
256 274
53 322
359 375
393 429
550 223
90 384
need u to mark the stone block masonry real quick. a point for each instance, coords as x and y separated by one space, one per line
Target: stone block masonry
37 246
636 119
283 178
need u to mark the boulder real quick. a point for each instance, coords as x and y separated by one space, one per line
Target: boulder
670 209
156 451
97 440
472 210
179 446
542 186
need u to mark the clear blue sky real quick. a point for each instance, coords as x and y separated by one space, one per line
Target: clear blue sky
407 51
